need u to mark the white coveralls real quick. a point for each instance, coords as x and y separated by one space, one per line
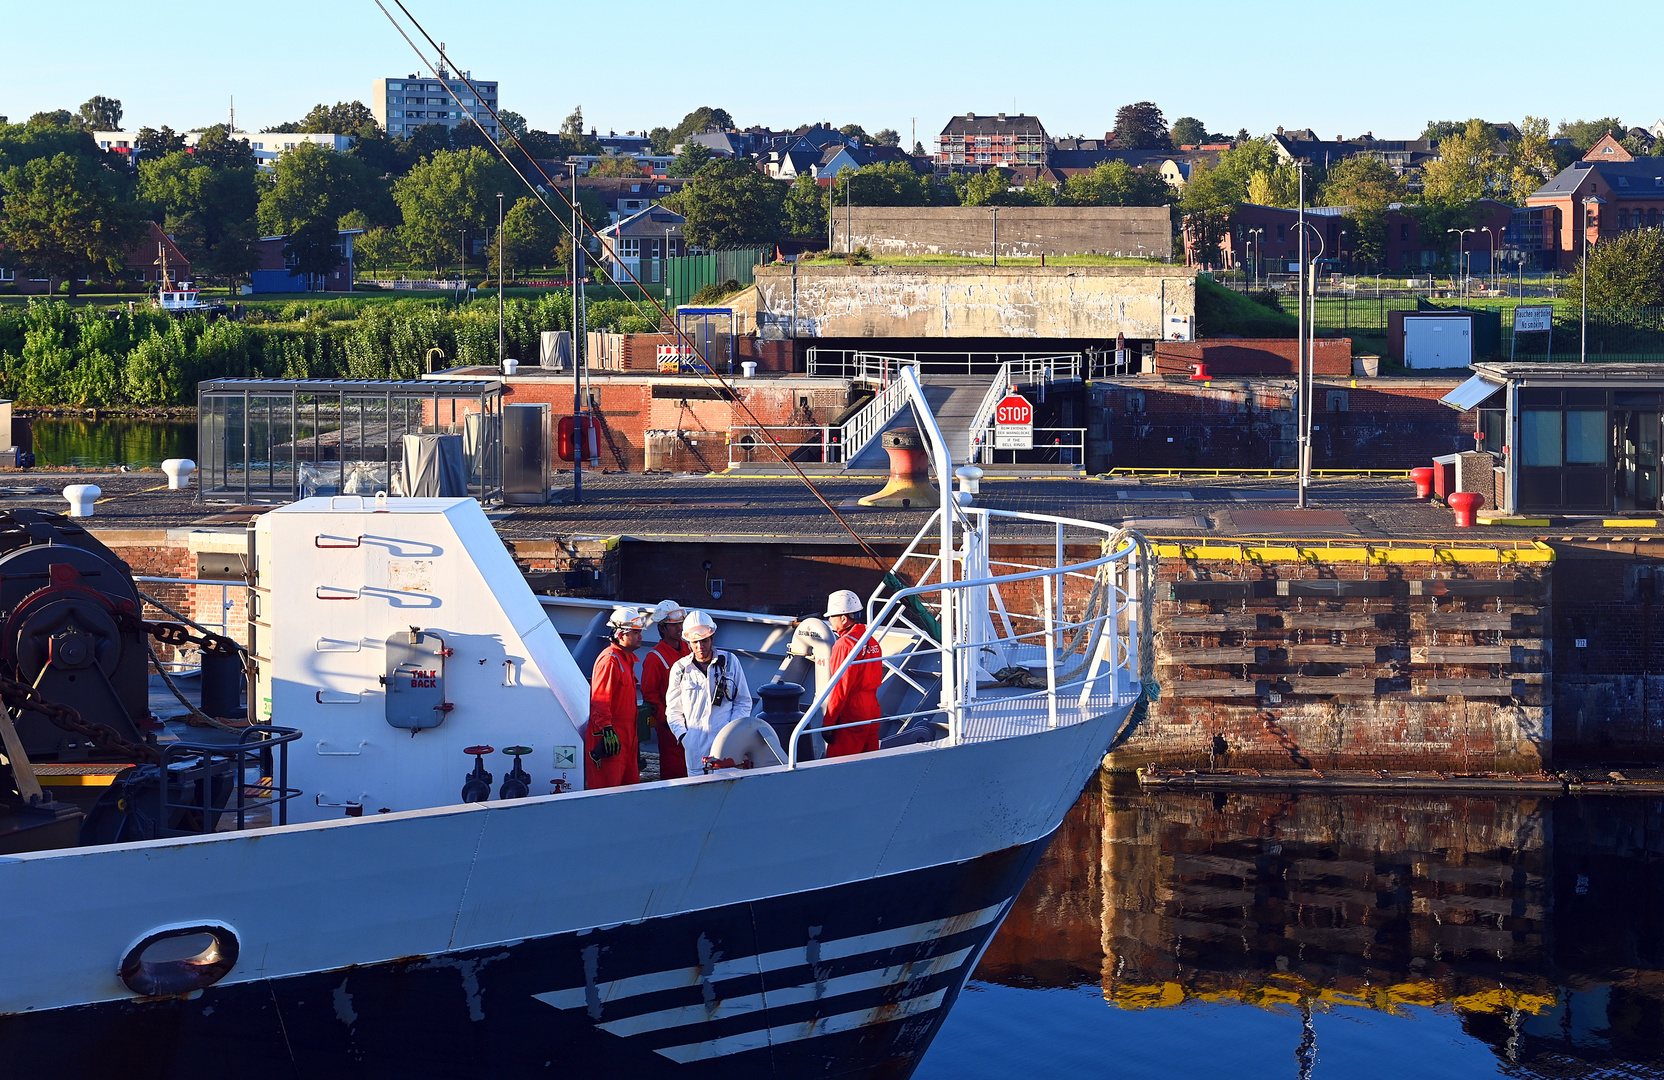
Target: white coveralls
687 704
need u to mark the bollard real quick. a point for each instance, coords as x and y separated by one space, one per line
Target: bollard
81 498
748 368
178 472
782 709
909 483
222 685
1424 482
1466 504
970 479
510 366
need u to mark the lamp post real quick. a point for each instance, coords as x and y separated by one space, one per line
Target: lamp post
1490 234
1340 251
1303 393
499 279
1589 204
1462 286
1259 253
996 247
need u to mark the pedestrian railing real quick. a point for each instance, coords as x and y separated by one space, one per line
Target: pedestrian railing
1052 446
1024 371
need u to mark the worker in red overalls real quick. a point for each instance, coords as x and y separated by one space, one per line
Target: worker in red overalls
655 676
855 696
610 741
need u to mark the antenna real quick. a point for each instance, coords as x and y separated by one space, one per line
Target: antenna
231 128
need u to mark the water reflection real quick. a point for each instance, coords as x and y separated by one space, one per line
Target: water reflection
1402 935
109 443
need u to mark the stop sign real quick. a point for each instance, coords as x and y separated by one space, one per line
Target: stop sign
1014 409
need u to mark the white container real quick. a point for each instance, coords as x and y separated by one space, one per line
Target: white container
178 472
748 368
81 498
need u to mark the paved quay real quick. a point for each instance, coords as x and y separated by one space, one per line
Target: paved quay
1349 510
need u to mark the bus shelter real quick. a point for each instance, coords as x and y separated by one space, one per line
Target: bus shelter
278 440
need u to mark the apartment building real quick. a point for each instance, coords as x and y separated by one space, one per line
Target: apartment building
267 146
401 105
972 142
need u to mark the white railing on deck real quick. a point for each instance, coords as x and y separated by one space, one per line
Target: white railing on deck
1026 371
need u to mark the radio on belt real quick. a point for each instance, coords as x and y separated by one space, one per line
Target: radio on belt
416 679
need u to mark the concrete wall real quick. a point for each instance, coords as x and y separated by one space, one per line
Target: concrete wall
1053 302
1023 230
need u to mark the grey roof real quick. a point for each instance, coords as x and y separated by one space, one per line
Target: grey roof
1001 124
1641 178
1086 159
656 216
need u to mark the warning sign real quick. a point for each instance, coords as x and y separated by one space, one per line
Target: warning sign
1014 423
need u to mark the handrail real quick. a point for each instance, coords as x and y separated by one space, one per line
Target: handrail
1013 373
866 425
1054 626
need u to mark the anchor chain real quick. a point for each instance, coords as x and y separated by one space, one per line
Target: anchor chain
69 719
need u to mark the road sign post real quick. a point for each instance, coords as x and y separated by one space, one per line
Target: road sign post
1014 423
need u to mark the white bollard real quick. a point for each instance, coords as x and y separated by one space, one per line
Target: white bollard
749 368
81 498
970 479
178 471
510 366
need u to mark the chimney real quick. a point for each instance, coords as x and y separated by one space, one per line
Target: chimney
1279 129
1002 116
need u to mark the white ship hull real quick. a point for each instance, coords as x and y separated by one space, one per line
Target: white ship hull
779 922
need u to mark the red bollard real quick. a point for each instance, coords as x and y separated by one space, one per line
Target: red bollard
1466 504
1424 482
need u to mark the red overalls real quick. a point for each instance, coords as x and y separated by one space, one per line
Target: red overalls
612 700
855 696
655 677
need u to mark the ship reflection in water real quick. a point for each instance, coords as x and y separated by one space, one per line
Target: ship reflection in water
1265 935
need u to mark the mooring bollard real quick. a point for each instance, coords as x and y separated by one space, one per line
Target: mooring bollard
178 472
1424 482
81 498
1466 505
909 483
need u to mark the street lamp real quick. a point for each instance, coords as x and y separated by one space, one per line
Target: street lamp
996 213
1259 253
500 352
1490 235
1461 244
1589 204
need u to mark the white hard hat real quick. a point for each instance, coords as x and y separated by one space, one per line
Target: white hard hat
697 626
628 618
844 602
668 609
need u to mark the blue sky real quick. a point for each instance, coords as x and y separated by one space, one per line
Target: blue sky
1340 68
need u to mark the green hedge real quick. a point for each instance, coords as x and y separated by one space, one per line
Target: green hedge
53 354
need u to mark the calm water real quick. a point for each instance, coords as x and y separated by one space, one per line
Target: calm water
100 443
1263 935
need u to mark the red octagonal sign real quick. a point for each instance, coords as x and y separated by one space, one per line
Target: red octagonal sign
1014 409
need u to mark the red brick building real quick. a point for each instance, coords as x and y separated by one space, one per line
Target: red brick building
972 143
1631 190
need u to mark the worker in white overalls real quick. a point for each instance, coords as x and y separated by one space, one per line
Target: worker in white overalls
707 690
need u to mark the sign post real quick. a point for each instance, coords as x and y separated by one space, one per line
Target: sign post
1536 319
1014 423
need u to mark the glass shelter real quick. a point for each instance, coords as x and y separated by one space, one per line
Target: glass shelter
278 440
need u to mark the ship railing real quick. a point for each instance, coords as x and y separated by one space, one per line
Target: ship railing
221 626
211 782
1031 645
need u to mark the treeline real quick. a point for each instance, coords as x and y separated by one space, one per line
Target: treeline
53 354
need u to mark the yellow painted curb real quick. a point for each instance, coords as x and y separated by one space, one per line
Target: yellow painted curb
1527 522
1618 523
1369 554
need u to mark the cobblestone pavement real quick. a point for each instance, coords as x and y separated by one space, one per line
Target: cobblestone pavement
658 506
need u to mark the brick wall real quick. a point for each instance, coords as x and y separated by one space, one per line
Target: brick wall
1172 422
640 352
1608 642
1252 356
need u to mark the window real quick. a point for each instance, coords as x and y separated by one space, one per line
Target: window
395 86
1404 232
1586 436
1540 437
1282 233
629 249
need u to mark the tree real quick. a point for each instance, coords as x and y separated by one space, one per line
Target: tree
310 183
203 207
380 249
311 248
891 183
1189 131
1115 183
853 131
156 141
729 202
62 216
1531 160
513 123
101 113
1586 133
804 210
219 148
1625 272
887 137
55 118
699 120
1470 166
1440 129
530 236
918 148
617 165
692 157
448 196
661 140
1366 186
1140 126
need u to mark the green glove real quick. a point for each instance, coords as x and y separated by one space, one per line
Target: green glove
607 746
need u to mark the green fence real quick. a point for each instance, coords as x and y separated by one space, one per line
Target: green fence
1614 335
690 273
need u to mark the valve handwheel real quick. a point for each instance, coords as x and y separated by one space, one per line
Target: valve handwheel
477 750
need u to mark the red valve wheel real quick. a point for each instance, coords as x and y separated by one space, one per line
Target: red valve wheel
480 750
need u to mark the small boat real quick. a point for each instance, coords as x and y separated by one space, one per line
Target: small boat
327 905
179 298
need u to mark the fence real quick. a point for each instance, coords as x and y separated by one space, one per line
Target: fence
688 274
1614 335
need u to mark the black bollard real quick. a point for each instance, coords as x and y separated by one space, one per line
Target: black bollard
222 684
781 711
